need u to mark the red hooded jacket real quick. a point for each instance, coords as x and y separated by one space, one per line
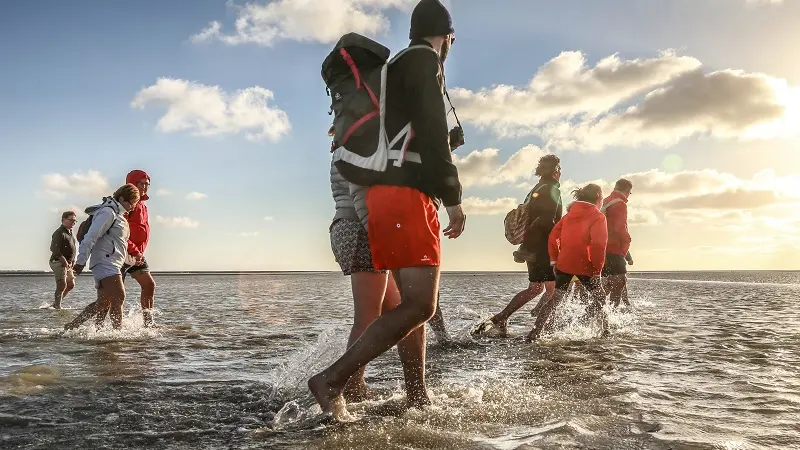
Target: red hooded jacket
138 218
619 240
578 242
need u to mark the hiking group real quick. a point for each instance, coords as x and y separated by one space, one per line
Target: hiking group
391 169
111 242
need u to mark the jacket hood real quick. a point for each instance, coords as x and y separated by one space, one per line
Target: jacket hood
136 176
107 201
581 210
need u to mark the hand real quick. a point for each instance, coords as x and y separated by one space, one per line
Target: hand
456 136
140 260
457 222
78 268
629 258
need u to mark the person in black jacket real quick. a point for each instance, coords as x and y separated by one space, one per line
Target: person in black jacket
545 210
403 224
63 251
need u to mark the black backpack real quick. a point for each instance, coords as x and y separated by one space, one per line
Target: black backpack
83 228
355 74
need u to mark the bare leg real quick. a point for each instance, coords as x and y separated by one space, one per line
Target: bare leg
87 313
148 285
109 293
545 313
61 291
549 288
625 298
437 323
368 296
596 310
419 287
113 291
412 352
616 285
500 320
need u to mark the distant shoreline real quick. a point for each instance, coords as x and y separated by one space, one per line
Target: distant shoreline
41 273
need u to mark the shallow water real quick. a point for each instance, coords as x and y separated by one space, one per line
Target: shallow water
703 360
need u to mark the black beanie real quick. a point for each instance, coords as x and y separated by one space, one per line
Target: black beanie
430 18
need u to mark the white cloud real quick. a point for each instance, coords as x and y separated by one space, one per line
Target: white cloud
91 183
304 21
723 104
195 196
79 212
480 206
177 222
483 167
634 102
209 111
249 233
269 218
163 193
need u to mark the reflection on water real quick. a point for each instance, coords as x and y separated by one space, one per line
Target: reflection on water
702 361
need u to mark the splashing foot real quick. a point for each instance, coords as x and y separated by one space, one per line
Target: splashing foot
329 398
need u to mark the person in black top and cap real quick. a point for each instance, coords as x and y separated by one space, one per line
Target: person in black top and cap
411 251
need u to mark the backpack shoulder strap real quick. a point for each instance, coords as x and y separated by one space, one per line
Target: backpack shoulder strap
407 49
609 204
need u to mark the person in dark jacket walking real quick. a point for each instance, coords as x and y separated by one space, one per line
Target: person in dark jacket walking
63 251
545 209
403 225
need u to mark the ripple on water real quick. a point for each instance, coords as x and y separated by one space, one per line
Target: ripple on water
693 364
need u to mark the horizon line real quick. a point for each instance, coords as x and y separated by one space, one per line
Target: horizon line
27 272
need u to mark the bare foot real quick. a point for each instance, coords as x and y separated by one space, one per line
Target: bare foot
491 327
532 336
418 400
329 398
69 326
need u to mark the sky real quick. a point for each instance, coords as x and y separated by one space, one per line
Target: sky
222 103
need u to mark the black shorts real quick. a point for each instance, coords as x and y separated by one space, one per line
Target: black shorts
615 265
564 279
540 271
143 267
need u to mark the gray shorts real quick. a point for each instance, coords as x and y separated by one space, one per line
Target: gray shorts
350 245
103 270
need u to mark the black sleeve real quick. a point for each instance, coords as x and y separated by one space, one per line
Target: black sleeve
55 243
426 109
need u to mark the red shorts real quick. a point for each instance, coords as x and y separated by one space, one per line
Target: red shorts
403 228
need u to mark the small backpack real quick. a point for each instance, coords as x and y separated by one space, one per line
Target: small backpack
83 228
355 74
518 219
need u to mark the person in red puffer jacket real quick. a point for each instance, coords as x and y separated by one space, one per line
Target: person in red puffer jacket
139 222
577 248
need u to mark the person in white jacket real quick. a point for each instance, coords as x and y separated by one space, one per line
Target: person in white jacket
105 248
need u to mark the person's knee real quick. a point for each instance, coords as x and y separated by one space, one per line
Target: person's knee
70 285
61 285
147 283
426 312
